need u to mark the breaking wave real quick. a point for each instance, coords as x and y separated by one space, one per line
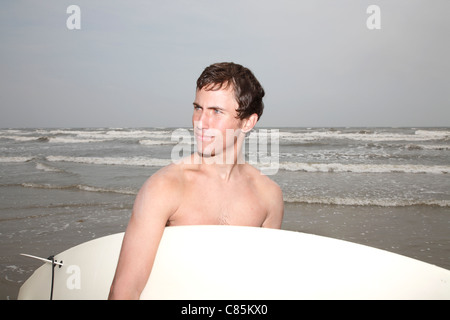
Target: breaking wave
15 159
367 201
363 168
133 161
47 168
364 135
289 166
79 188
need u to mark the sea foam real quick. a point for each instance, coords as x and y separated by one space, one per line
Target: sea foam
132 161
363 168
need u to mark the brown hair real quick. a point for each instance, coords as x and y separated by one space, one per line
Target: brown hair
247 89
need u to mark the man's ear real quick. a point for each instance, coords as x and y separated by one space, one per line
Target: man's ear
249 123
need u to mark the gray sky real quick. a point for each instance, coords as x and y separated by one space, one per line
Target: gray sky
135 63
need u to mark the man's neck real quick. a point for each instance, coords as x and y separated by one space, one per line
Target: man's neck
224 165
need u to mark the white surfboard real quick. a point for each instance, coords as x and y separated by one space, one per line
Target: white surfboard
227 262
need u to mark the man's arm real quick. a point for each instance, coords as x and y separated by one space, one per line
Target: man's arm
154 204
275 208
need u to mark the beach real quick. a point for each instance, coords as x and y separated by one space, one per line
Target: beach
384 187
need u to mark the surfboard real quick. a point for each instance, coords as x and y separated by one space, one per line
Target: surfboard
236 263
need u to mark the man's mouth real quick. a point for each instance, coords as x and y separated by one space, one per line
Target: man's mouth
203 136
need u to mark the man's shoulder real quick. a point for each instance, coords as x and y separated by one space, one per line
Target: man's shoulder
262 181
165 178
172 176
271 196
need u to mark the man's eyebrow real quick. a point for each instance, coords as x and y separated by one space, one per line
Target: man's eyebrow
216 108
212 107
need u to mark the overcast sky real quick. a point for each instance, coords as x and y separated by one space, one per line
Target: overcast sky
135 63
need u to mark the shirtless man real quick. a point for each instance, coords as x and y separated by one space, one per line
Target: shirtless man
213 186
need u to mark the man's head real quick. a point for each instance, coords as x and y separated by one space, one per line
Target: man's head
228 103
247 90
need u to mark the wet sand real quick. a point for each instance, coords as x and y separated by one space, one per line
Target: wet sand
419 232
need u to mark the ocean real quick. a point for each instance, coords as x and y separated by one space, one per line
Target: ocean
384 187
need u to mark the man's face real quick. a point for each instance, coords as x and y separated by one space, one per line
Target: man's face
214 117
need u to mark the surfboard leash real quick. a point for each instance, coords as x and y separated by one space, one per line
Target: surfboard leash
52 257
54 263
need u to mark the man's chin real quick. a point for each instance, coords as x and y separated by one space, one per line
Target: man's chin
205 148
206 153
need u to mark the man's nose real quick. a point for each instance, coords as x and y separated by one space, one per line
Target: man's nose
203 122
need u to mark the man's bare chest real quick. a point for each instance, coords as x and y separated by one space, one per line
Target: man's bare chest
220 206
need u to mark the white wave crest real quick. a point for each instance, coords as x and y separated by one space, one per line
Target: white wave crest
363 168
427 147
20 138
78 187
73 140
84 136
149 142
367 201
134 161
15 159
419 135
433 134
46 168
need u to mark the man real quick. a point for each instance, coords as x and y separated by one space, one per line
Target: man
213 186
